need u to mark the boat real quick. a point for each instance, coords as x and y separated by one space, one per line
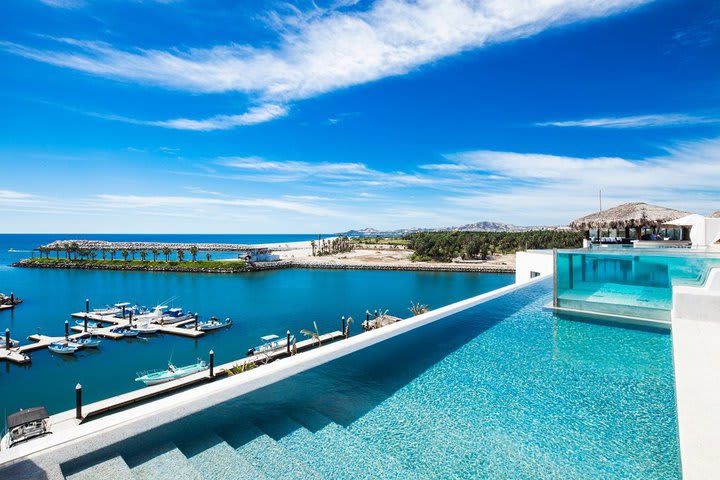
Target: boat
146 328
13 343
175 315
153 377
63 348
126 331
25 425
87 341
90 323
272 343
213 324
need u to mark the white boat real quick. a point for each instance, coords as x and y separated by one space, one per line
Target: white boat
13 343
90 323
126 331
175 315
153 377
88 341
214 324
146 328
63 348
25 425
272 343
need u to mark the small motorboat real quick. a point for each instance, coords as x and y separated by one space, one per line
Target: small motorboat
146 329
174 315
25 425
127 331
272 343
13 343
87 341
90 323
153 377
214 324
63 348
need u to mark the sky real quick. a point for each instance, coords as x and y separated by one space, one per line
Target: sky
219 116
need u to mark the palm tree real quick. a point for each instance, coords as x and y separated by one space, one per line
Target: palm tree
93 254
112 253
75 248
166 251
181 254
194 252
208 256
125 254
57 252
312 245
133 250
143 254
314 335
155 253
346 333
418 308
68 250
103 251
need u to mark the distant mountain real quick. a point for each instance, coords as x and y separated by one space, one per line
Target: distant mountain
470 227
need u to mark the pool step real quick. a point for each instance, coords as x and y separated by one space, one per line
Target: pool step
267 455
165 462
114 468
215 459
368 460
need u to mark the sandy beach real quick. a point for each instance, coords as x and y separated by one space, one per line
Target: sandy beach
383 257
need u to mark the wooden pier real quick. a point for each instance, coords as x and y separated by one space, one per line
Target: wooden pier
120 401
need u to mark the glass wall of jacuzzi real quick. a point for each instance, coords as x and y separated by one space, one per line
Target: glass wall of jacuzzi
506 389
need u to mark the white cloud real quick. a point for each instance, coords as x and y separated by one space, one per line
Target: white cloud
64 3
637 121
13 195
323 52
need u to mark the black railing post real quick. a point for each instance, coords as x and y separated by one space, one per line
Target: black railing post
212 364
67 329
123 312
196 322
7 339
87 305
288 342
343 325
12 299
78 401
130 319
85 323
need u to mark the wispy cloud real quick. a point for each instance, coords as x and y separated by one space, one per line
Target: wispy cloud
637 121
325 51
253 116
13 195
64 3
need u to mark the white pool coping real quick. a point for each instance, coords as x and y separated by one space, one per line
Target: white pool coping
71 440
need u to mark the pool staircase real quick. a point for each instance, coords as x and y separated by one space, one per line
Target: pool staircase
303 445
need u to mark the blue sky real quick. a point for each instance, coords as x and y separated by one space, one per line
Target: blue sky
222 116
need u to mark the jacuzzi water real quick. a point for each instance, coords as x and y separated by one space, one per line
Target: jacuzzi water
502 390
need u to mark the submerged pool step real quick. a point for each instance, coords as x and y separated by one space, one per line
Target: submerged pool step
165 462
215 459
114 468
267 455
373 462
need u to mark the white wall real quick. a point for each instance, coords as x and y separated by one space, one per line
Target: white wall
532 262
696 356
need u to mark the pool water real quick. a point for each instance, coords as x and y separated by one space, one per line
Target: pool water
502 390
631 282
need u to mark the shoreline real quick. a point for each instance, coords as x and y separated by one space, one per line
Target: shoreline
262 266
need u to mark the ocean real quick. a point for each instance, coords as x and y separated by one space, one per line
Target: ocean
259 303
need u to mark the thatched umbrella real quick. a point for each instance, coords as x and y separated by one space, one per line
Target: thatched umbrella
715 215
628 215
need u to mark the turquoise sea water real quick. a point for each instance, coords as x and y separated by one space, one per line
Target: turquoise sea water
259 303
503 390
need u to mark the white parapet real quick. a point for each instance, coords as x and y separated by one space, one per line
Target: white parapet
533 263
696 352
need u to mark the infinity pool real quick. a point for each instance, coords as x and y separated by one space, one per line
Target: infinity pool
502 390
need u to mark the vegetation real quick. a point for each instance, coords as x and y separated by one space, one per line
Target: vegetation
240 368
377 240
418 308
445 246
315 335
340 244
197 265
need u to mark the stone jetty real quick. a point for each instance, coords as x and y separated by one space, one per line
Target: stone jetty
105 245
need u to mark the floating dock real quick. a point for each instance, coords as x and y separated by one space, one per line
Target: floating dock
120 401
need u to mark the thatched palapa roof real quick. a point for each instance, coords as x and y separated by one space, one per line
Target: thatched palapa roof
715 215
634 214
